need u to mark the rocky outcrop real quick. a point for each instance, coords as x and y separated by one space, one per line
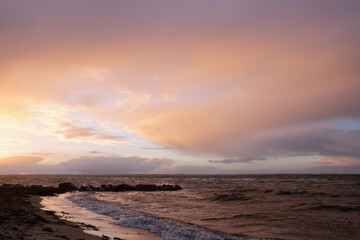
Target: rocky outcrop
68 187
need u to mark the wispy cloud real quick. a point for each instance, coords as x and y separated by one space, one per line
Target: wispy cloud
70 131
97 152
238 160
22 161
214 87
155 148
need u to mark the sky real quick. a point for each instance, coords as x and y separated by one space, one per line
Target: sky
166 87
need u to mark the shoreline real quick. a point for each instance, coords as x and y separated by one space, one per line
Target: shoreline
21 217
92 222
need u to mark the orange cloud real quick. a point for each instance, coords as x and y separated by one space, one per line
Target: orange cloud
204 79
340 161
20 160
70 131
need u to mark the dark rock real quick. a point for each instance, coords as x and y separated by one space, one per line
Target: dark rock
104 237
67 186
143 187
36 186
122 188
93 188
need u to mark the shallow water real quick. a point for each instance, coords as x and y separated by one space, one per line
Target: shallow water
224 207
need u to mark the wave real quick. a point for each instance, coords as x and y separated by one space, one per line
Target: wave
262 179
130 216
230 197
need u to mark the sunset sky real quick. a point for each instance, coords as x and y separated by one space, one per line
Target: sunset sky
179 86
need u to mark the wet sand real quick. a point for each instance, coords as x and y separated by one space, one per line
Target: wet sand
69 211
22 218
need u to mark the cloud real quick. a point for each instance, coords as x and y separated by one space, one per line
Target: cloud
70 131
155 148
238 160
24 164
85 165
20 160
41 154
339 169
230 80
96 152
112 165
100 165
326 142
137 165
189 169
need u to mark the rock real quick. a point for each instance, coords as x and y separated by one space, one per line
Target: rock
36 186
122 187
143 187
67 186
104 237
93 188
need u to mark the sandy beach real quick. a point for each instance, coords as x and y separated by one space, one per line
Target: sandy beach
21 217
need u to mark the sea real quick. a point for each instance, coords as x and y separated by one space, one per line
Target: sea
210 207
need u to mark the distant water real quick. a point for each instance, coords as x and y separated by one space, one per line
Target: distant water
222 207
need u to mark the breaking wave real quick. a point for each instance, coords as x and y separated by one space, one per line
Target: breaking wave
130 215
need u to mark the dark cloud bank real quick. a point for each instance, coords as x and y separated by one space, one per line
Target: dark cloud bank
325 142
101 165
135 165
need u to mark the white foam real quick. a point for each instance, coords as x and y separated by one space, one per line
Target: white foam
259 179
130 216
304 180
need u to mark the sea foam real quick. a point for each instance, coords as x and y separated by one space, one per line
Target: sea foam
131 216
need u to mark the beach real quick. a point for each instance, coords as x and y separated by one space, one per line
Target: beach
21 217
237 207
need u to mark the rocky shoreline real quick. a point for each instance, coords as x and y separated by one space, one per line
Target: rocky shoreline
21 216
68 187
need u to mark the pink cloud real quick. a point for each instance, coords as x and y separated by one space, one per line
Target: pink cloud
217 80
70 131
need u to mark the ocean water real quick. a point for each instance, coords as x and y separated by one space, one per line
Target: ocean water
213 207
